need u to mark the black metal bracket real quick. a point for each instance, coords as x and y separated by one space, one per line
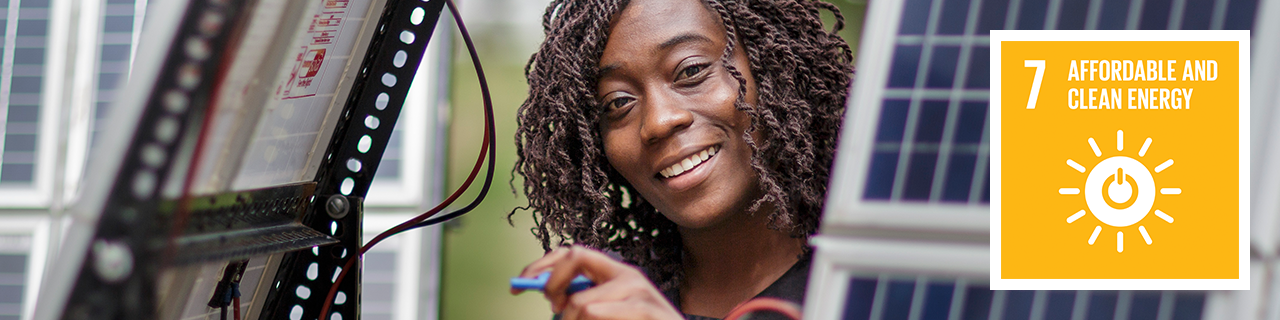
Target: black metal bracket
350 161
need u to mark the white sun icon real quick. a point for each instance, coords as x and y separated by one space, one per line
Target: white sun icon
1119 191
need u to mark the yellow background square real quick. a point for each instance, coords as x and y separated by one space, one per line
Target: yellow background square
1036 240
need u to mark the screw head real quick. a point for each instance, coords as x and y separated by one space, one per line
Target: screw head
112 260
337 206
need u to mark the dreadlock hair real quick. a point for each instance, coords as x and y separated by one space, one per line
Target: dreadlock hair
802 73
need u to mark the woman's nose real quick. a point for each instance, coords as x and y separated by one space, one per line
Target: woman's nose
664 116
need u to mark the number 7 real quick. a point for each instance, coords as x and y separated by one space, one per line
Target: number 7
1035 85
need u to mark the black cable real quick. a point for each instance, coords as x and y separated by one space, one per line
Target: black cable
488 111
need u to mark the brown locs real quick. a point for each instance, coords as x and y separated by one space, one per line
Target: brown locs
802 74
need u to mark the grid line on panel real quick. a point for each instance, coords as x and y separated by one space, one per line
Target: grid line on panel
6 74
1038 305
958 295
1051 20
943 161
1178 8
913 113
877 300
1095 13
1219 14
1135 13
917 298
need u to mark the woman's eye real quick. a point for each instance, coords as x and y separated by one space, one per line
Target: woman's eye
692 71
618 103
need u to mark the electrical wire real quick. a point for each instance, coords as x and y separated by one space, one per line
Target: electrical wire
767 304
419 220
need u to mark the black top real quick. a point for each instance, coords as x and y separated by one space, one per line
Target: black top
790 287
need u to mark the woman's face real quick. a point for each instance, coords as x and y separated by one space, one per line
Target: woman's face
669 123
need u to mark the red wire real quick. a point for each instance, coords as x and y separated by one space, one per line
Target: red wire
333 290
783 307
236 303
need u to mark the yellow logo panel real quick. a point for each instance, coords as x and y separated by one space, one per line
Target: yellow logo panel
1119 160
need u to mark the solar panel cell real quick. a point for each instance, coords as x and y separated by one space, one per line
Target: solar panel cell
1155 14
906 60
915 15
1031 14
942 67
954 15
858 300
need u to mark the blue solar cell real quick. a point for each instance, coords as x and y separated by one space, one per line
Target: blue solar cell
893 120
1240 14
13 263
25 84
973 118
1155 15
1032 14
1145 306
1102 305
937 301
1059 305
942 67
33 27
979 68
992 16
955 14
1017 304
1114 15
1188 305
959 177
11 294
919 180
932 119
897 304
16 172
857 303
1195 15
1072 14
880 175
902 74
977 303
915 16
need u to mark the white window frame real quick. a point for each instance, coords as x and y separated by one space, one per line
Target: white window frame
37 228
410 248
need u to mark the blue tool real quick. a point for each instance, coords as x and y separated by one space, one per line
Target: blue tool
539 283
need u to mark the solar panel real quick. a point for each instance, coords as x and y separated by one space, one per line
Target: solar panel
913 174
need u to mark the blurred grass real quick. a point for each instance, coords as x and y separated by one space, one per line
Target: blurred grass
481 250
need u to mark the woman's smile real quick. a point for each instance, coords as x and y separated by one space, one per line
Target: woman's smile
690 170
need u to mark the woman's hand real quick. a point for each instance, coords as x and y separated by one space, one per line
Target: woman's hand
621 291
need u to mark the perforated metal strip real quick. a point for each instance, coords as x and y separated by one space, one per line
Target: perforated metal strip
350 162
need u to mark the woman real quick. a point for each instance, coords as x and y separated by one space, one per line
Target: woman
693 138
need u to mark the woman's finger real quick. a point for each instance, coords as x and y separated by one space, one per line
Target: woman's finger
593 264
617 290
548 260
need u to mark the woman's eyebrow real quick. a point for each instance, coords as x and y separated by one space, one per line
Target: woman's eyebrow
683 38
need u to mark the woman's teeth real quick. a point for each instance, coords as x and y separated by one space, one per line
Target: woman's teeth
688 163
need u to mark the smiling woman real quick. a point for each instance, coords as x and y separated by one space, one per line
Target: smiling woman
692 138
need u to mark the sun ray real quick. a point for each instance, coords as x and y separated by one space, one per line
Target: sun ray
1143 152
1164 216
1075 217
1094 145
1145 236
1069 191
1170 190
1119 241
1094 237
1075 165
1119 140
1164 165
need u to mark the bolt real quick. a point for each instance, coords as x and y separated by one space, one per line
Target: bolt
112 260
336 206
